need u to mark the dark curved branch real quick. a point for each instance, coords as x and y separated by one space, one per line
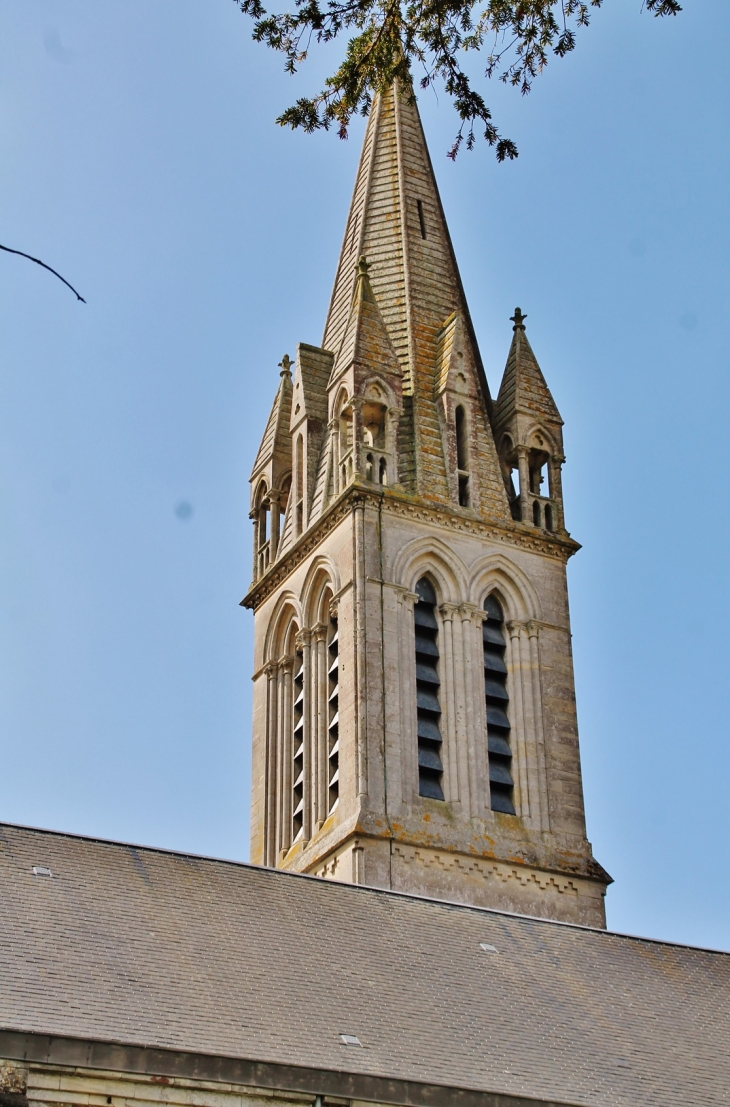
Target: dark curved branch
42 263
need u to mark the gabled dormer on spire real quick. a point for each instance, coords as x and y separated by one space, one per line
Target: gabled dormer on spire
307 426
529 437
365 396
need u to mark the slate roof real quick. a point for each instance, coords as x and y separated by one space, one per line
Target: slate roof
147 947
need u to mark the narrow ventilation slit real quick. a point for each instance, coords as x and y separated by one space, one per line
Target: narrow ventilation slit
421 218
298 747
501 784
299 487
428 707
462 455
333 730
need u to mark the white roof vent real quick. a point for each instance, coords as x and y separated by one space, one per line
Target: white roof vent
41 870
350 1039
487 948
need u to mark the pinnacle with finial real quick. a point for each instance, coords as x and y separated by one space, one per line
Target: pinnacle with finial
285 365
518 319
362 266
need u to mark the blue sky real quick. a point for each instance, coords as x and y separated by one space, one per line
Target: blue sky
141 159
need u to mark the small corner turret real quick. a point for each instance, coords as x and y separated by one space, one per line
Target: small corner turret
529 437
271 476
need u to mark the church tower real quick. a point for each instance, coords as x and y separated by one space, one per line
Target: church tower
414 709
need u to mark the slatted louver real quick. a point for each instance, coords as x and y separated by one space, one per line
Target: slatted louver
298 750
430 769
333 732
501 784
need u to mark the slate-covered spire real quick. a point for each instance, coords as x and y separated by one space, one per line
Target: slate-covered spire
528 432
523 389
276 439
397 222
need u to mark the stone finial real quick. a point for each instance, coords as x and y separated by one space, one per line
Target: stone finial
362 266
285 365
518 319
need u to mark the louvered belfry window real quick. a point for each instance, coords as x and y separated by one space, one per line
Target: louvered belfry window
333 732
430 768
501 785
298 749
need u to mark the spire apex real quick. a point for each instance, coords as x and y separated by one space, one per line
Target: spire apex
285 365
518 319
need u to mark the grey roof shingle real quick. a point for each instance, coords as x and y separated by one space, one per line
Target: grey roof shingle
148 947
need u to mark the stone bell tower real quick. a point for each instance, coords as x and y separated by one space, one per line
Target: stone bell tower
414 709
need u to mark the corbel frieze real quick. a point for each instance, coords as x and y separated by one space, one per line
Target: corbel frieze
356 496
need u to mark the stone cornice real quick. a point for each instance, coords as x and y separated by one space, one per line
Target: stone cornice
164 1066
358 494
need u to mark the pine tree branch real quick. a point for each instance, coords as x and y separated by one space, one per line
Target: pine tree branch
388 37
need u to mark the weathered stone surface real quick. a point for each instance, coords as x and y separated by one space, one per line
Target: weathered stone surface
408 485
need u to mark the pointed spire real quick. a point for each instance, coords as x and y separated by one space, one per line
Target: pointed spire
397 222
276 442
524 390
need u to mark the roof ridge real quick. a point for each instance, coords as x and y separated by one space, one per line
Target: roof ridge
358 888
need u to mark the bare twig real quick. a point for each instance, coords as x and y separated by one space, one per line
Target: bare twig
42 263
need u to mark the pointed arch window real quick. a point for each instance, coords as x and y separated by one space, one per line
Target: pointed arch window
428 707
501 785
261 530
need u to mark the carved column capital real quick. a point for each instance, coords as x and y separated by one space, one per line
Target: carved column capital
271 668
319 631
448 610
302 638
533 628
408 599
515 628
286 664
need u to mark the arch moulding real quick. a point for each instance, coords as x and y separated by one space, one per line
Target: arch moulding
321 574
279 622
431 554
496 572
